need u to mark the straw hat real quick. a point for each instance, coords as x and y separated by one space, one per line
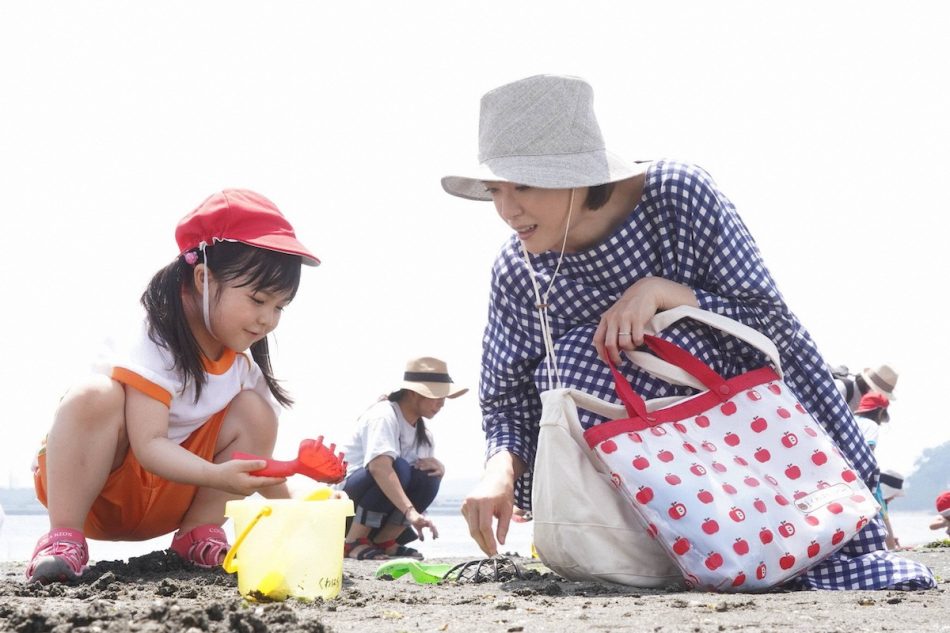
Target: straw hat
429 377
892 484
540 131
883 379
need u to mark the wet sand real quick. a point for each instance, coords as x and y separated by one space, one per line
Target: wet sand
155 593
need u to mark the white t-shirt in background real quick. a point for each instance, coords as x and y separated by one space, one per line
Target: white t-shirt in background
382 430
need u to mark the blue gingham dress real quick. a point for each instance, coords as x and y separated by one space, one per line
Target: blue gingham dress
685 230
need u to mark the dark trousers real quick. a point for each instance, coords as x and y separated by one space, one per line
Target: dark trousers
374 509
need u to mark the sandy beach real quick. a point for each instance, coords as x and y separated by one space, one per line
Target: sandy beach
154 593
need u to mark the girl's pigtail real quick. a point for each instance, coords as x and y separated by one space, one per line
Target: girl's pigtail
261 354
167 323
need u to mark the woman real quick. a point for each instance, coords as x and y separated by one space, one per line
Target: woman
602 245
392 475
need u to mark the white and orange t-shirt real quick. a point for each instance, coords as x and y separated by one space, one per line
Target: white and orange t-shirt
149 368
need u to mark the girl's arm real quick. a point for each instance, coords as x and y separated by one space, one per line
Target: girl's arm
147 426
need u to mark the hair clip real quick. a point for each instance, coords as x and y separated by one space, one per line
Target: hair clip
191 258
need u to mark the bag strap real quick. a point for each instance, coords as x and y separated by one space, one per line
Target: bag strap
677 375
636 407
676 355
613 411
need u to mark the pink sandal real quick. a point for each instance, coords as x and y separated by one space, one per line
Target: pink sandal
60 555
204 546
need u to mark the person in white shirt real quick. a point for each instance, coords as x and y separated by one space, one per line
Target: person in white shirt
392 474
852 387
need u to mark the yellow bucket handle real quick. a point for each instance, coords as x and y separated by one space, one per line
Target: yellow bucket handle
229 564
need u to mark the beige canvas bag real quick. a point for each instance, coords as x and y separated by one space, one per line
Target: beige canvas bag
584 529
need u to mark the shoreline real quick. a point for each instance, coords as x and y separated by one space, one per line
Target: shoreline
154 593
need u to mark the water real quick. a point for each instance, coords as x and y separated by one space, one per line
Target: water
19 533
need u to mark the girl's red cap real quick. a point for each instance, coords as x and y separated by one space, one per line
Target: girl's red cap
239 215
943 503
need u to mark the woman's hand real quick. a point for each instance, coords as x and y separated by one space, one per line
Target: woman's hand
431 465
493 498
235 476
419 522
621 326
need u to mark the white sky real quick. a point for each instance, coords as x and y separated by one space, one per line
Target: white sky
826 123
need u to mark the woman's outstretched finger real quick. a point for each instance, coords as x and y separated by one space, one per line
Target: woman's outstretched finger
472 516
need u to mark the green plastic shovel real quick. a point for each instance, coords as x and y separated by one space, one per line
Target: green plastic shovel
422 573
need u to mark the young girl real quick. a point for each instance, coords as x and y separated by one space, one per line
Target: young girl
393 474
143 449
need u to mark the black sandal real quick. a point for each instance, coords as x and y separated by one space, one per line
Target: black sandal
371 551
401 551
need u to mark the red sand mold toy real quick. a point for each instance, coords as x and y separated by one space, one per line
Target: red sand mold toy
313 460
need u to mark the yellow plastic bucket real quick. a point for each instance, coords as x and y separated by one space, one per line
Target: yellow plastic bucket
288 548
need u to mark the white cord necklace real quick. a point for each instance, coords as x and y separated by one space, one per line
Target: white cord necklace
541 303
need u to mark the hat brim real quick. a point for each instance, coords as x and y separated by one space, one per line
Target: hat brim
561 171
875 386
285 244
434 389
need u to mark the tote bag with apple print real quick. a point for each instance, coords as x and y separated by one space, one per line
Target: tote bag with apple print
738 483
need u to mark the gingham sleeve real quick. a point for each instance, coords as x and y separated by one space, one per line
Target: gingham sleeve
508 396
716 254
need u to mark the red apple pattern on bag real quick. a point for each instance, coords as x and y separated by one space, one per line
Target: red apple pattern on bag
745 494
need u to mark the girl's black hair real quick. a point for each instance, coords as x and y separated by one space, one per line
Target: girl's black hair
422 438
259 268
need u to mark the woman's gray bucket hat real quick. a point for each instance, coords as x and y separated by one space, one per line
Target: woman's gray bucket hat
542 132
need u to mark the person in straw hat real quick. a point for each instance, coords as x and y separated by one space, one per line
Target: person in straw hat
852 387
599 245
392 473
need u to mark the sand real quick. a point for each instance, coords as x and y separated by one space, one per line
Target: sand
155 593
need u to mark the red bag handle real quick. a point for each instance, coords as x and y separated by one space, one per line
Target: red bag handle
636 407
676 355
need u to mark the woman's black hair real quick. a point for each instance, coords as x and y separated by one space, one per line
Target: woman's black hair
259 268
598 195
422 438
